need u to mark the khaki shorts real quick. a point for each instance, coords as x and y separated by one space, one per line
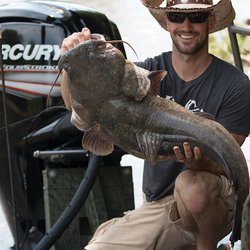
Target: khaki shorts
155 225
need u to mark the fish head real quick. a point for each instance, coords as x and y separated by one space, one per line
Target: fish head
90 56
94 67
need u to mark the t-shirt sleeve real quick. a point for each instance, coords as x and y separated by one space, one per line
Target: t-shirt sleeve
149 64
234 113
156 63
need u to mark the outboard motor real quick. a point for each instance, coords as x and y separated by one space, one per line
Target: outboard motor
30 188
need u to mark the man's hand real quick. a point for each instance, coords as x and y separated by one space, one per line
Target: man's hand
191 158
74 39
194 160
78 37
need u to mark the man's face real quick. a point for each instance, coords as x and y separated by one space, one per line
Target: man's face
188 37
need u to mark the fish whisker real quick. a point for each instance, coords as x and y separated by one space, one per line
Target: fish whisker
52 86
122 41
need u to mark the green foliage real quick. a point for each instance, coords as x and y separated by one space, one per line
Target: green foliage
220 46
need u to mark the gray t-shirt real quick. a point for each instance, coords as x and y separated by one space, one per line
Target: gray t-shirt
222 90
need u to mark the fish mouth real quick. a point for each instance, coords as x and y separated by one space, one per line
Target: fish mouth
95 48
104 46
95 42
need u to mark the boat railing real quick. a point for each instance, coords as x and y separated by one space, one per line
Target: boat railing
233 30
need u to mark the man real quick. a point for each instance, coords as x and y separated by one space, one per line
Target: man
183 208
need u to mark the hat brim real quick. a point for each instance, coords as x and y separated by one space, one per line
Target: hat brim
222 10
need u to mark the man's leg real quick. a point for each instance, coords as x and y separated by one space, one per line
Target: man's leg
202 209
155 225
136 230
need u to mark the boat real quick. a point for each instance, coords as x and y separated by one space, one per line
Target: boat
42 162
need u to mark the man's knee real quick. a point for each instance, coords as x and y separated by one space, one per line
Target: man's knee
197 190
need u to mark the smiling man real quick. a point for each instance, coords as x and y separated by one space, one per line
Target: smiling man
184 208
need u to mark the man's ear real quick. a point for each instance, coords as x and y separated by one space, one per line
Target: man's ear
211 22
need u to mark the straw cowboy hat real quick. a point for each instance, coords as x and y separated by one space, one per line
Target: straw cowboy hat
222 9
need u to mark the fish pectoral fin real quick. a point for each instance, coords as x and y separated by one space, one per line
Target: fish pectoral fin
136 83
149 143
96 143
78 122
155 78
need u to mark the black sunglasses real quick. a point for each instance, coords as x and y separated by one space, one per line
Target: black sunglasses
194 17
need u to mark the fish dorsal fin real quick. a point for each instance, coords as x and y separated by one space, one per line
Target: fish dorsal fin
149 143
155 78
135 82
96 143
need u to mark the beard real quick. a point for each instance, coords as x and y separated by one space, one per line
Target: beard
189 48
